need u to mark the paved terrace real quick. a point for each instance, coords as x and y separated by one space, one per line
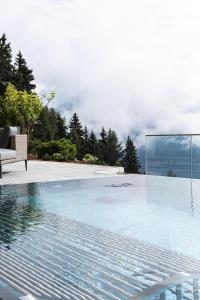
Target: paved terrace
40 171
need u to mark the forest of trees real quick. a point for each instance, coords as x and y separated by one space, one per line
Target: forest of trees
21 106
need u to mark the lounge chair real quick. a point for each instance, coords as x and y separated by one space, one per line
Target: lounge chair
13 146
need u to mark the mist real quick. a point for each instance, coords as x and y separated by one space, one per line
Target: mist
130 65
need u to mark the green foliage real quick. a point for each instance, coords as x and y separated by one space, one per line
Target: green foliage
131 162
61 130
48 97
58 157
63 147
21 108
46 156
33 146
106 151
85 144
90 159
23 76
75 127
6 67
18 74
103 147
113 149
50 125
76 134
107 148
93 144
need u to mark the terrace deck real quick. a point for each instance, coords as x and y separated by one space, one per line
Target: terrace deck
43 171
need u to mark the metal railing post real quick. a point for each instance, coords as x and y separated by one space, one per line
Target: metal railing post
196 289
179 292
191 156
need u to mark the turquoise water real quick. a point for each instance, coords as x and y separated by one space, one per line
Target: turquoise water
158 210
81 235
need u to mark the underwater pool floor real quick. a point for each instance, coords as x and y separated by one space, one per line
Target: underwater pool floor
62 258
114 238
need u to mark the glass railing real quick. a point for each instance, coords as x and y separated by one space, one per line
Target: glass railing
180 287
173 155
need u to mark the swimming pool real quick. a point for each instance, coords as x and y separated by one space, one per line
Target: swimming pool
105 238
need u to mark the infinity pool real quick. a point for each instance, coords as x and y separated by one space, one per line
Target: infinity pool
45 228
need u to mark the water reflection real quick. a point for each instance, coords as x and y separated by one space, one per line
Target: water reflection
173 156
19 209
177 193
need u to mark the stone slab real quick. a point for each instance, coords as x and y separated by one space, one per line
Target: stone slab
41 171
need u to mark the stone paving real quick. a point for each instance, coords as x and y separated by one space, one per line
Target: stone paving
40 171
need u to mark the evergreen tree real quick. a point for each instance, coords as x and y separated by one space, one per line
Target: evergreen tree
131 162
61 130
93 144
6 68
45 128
86 146
23 76
114 149
75 127
76 134
50 125
102 151
103 135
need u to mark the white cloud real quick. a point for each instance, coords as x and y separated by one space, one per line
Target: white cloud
130 65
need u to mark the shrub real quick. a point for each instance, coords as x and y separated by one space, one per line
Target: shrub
46 156
58 157
63 147
90 159
33 146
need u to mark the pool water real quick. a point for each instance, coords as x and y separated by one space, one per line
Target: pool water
159 211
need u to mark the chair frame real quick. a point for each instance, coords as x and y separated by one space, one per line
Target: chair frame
19 144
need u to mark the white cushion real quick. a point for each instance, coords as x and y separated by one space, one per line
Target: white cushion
7 154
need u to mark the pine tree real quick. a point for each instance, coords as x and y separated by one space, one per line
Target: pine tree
86 146
50 125
131 162
76 134
6 68
61 127
114 149
86 135
102 151
75 127
45 127
93 144
103 135
23 76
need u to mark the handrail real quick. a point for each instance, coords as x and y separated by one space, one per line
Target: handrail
166 284
173 134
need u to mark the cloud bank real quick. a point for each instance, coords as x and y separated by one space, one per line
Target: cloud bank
130 65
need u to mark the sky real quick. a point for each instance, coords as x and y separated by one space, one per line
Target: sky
130 65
